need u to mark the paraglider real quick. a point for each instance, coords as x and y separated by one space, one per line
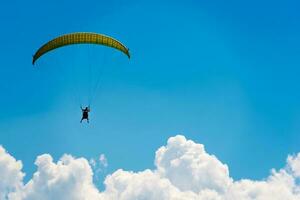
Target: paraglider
85 113
80 38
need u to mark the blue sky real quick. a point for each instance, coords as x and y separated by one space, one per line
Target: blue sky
224 74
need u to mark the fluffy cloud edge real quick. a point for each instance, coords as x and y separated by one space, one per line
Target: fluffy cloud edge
184 171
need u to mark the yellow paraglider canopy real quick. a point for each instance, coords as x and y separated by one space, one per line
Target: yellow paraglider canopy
80 38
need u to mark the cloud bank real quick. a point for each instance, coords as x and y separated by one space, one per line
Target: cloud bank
184 171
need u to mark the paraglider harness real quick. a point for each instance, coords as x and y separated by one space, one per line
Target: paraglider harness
85 113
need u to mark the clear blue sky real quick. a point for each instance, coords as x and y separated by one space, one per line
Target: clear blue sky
225 74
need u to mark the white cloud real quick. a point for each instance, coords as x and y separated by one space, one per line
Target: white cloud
69 178
294 163
189 167
184 171
10 174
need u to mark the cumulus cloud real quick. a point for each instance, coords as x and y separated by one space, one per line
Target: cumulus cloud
69 178
10 174
184 171
189 167
294 164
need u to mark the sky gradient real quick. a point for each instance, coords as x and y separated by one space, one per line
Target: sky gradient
222 74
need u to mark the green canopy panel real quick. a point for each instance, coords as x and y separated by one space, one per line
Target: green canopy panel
80 38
